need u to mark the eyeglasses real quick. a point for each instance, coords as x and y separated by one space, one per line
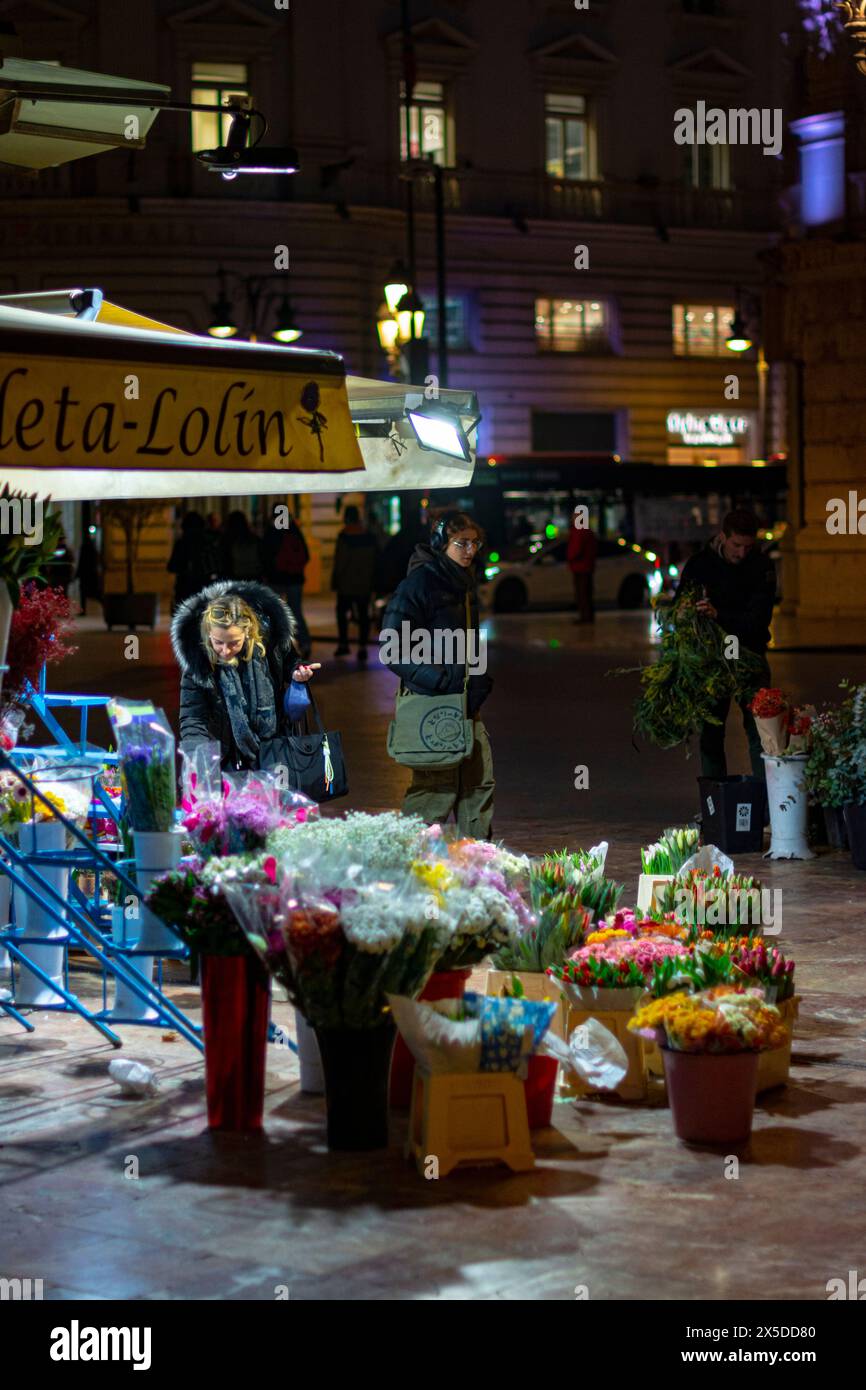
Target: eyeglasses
466 545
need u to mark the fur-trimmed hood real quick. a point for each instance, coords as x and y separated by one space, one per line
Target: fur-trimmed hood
276 618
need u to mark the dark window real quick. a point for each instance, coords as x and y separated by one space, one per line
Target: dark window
712 7
455 321
578 432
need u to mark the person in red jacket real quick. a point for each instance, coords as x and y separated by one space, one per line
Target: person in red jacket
581 556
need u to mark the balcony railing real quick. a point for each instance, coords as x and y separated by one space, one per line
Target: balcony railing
498 193
469 191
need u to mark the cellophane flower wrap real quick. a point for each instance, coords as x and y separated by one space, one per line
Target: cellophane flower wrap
228 814
146 758
339 935
477 895
471 892
192 899
722 1020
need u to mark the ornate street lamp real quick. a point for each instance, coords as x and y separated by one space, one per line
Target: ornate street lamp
854 24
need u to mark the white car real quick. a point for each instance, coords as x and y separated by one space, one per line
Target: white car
625 576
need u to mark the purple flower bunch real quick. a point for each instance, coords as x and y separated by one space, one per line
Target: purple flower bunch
240 823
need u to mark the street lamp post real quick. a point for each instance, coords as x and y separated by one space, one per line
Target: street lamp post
258 301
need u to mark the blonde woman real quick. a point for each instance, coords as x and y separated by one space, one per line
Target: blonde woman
234 643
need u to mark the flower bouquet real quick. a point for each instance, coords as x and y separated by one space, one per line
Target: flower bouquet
14 803
710 1042
724 1019
671 851
244 815
770 709
713 898
341 939
389 841
691 676
145 746
191 899
605 991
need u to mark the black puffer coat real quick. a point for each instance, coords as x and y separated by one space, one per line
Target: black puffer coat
432 598
203 713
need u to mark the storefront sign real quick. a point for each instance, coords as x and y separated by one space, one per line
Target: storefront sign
715 431
80 411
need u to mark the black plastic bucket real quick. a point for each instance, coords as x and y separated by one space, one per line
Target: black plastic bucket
734 810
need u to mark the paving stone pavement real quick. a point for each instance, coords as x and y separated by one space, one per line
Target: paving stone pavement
615 1203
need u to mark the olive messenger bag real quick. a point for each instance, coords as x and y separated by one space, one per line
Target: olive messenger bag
432 730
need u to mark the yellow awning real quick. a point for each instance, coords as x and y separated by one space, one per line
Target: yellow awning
106 403
125 318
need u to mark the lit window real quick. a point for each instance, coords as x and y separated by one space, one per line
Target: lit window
568 138
571 325
455 321
429 135
707 166
702 330
212 84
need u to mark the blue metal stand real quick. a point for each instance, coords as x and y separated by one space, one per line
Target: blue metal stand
80 918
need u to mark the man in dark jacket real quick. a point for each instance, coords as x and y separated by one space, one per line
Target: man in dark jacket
738 586
432 600
352 580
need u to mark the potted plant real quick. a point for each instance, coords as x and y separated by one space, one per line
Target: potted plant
743 961
28 539
827 774
130 609
710 1042
850 748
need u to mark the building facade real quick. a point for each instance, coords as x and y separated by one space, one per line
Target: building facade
593 262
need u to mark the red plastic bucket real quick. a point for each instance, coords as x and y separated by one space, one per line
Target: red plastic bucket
444 984
235 996
540 1085
712 1097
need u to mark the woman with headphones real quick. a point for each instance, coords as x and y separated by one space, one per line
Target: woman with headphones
434 613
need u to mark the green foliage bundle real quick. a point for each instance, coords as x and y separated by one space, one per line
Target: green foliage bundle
24 557
691 676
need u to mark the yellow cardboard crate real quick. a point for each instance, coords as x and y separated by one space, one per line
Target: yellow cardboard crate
468 1118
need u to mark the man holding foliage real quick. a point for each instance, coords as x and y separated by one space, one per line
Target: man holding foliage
738 586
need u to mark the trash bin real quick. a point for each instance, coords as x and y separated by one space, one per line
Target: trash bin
734 810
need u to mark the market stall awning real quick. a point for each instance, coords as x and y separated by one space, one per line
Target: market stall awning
117 406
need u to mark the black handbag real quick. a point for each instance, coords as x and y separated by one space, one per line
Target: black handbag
312 757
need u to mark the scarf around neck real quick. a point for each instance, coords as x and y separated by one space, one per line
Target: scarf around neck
248 695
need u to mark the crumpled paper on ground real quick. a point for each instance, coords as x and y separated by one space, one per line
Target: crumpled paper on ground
133 1078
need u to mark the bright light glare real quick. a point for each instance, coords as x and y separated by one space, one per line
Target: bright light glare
673 571
438 434
651 555
491 572
655 582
